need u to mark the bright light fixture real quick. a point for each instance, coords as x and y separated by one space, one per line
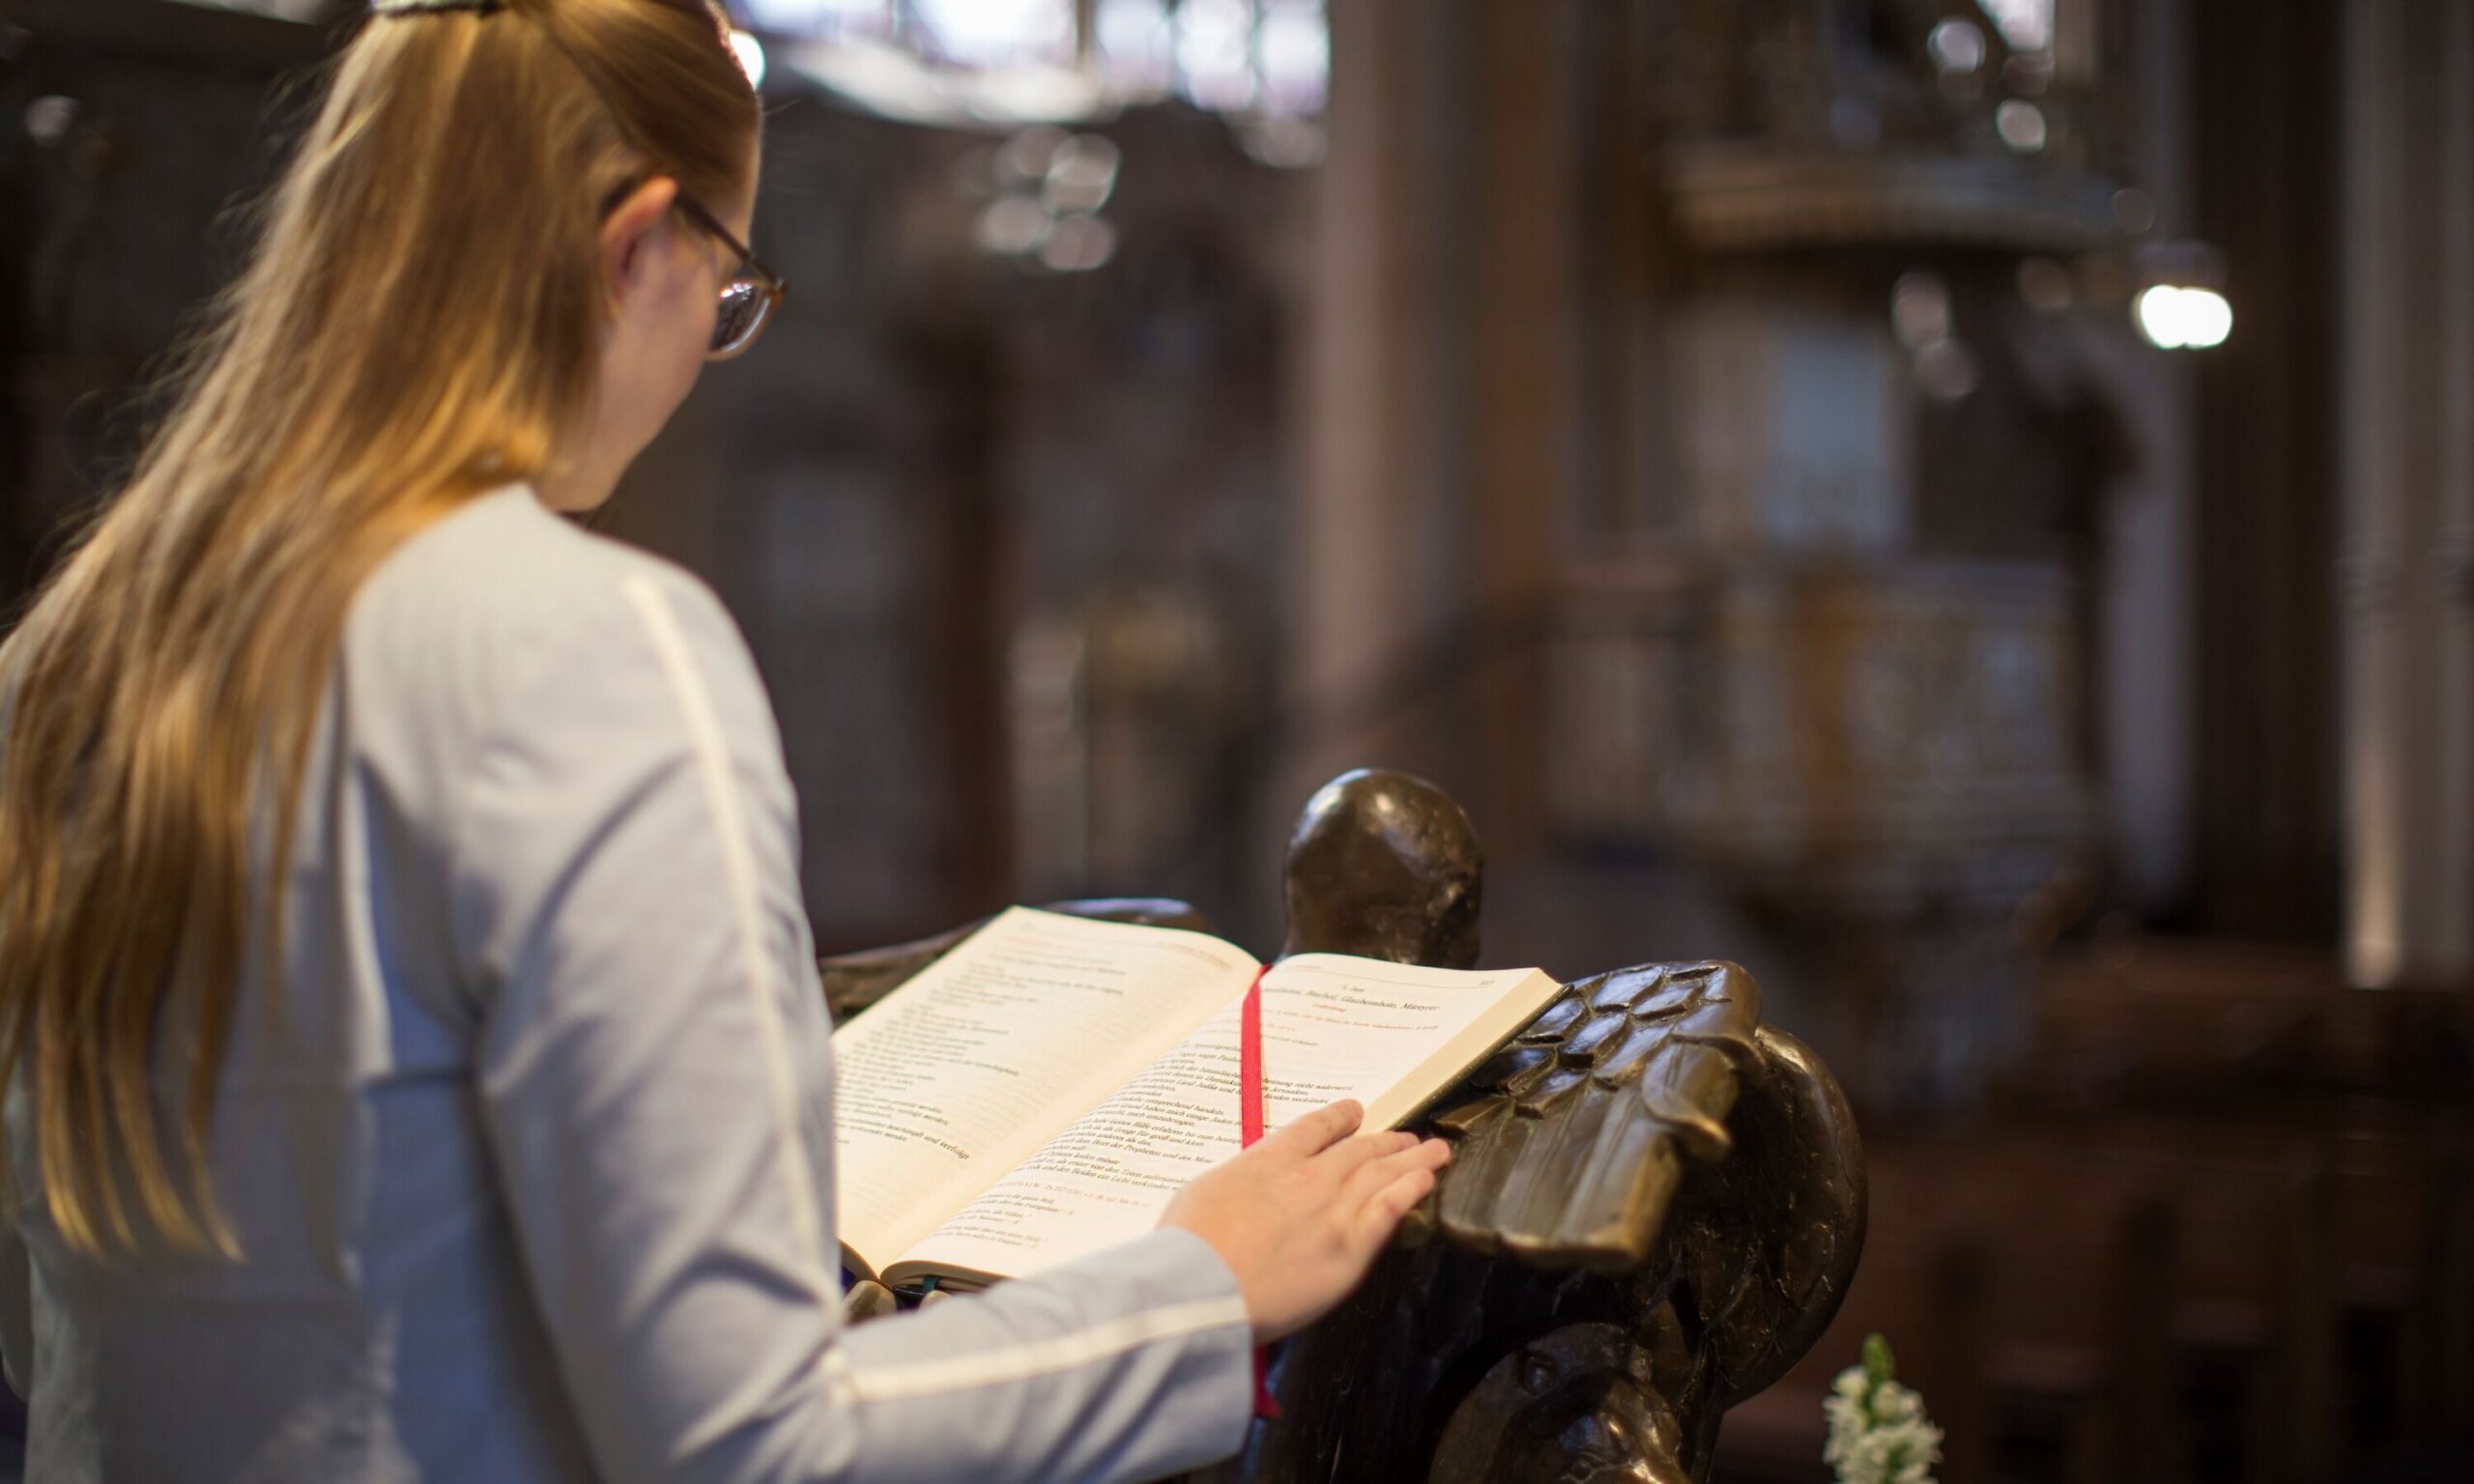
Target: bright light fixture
2176 318
751 57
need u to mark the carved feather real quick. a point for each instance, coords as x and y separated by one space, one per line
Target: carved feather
1573 1139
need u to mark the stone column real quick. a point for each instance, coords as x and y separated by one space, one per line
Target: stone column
2408 516
1435 379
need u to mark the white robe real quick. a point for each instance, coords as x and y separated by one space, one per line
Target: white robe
534 1168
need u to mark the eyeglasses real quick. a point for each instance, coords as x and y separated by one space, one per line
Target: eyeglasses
748 296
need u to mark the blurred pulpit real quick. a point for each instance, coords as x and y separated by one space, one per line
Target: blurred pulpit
1840 654
1655 1205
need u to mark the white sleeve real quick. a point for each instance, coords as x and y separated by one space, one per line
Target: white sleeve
653 1071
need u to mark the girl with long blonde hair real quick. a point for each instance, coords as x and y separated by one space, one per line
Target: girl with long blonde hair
414 1062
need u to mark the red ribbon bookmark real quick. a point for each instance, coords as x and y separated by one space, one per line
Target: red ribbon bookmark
1250 1130
1250 1064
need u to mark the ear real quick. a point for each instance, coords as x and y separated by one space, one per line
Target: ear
630 229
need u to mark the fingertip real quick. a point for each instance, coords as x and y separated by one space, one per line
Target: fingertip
1318 1130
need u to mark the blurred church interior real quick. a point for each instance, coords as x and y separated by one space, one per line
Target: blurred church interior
1964 507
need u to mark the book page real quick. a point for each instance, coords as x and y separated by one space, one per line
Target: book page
965 1071
1390 1036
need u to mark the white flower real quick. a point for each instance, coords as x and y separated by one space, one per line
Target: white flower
1877 1431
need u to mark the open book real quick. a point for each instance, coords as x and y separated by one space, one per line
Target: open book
1038 1094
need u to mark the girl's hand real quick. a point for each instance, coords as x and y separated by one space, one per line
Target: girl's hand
1300 1217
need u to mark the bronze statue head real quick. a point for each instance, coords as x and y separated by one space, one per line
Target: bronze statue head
1384 865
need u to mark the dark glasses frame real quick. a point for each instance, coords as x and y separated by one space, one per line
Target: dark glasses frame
729 341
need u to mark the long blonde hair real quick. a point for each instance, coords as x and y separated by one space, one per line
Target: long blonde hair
420 323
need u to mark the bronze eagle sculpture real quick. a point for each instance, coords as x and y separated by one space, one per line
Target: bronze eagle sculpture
1655 1205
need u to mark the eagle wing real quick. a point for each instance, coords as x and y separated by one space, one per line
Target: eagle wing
1651 1103
1573 1139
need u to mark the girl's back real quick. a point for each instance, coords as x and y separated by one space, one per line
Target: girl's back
380 1326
